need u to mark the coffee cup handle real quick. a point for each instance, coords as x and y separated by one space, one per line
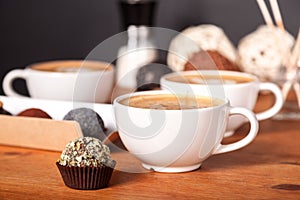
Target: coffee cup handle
246 140
278 101
8 82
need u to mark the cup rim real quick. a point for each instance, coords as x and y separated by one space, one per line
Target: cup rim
211 72
78 63
117 100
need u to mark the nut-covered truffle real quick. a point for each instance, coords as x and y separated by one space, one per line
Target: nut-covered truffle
90 122
86 152
34 112
85 164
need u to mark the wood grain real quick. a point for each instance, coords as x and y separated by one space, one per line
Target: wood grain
269 168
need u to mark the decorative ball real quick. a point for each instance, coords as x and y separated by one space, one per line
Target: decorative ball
264 51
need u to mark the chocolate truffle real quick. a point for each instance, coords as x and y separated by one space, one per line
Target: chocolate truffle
148 76
2 110
210 60
34 112
85 164
90 122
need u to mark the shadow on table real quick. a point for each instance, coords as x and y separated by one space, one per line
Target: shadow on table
275 143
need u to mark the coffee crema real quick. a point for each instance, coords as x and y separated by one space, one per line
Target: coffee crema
210 79
170 102
71 66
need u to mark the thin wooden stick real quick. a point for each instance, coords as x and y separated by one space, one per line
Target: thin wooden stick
287 86
297 91
276 14
280 25
264 10
291 71
296 51
295 58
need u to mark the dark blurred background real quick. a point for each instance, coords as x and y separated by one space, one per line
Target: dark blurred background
39 30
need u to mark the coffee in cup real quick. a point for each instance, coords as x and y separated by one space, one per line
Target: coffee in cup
240 88
169 102
168 135
210 79
77 80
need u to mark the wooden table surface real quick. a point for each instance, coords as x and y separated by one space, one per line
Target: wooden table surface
269 168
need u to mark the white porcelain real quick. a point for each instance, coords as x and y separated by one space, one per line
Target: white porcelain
242 94
177 140
81 85
58 109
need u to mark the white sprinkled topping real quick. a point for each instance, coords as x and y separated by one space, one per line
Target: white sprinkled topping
86 151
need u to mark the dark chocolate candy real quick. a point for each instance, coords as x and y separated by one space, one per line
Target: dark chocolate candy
90 122
148 76
34 112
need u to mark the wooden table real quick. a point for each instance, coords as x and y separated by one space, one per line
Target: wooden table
269 168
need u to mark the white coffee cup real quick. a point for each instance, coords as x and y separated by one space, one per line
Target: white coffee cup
71 80
243 94
177 140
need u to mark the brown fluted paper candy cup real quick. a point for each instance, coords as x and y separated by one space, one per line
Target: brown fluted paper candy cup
85 178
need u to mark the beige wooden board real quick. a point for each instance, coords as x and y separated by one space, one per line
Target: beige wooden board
37 133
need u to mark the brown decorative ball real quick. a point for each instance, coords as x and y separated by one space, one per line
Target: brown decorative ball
34 112
210 60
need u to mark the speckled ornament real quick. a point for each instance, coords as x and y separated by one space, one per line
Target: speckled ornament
196 38
264 51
